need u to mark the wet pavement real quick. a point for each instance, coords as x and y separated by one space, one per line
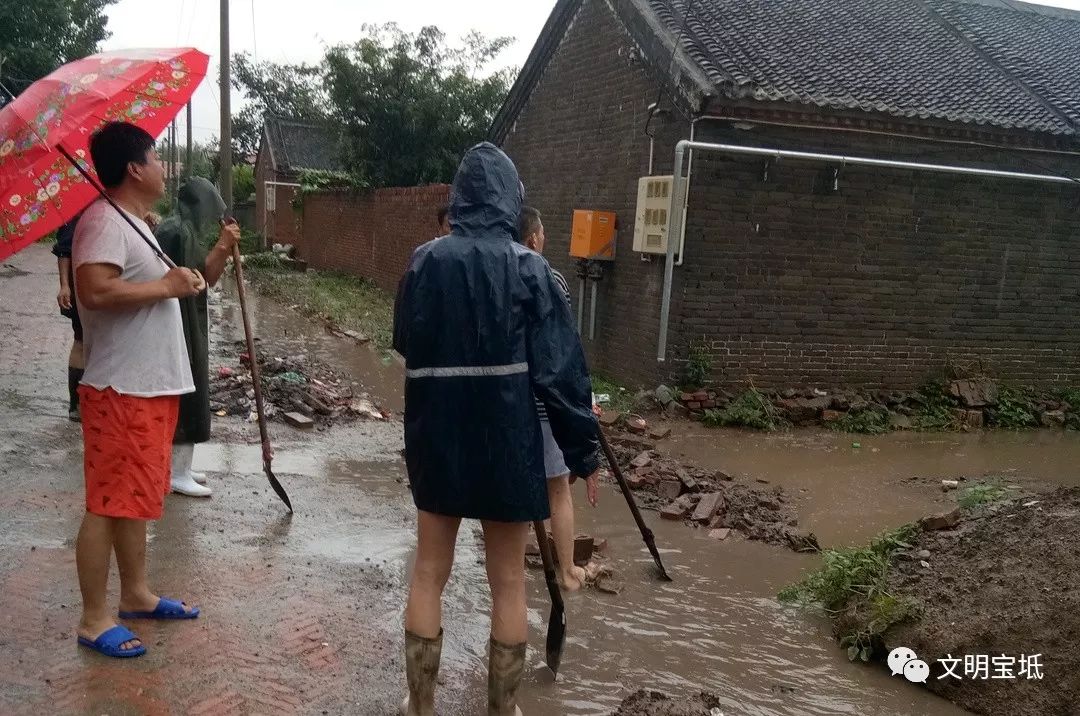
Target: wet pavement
302 615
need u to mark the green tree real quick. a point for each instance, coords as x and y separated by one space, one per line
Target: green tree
37 36
409 104
294 91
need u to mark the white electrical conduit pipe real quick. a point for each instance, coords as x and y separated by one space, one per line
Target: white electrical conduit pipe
678 200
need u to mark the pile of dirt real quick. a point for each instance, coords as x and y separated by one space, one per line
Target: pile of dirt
655 703
292 385
1002 583
705 498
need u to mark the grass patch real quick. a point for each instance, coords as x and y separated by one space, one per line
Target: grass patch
347 301
935 408
872 421
981 494
621 399
1071 398
853 582
749 410
1015 409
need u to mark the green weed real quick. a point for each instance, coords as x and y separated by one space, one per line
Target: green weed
853 581
698 368
622 401
347 301
750 409
872 421
1015 409
981 494
935 408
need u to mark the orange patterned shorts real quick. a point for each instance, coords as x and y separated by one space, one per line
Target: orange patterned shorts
127 457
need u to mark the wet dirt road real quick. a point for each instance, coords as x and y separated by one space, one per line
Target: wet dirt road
303 615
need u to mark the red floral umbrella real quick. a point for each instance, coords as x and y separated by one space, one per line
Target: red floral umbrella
48 127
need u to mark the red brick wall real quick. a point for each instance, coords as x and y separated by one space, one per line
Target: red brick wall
369 233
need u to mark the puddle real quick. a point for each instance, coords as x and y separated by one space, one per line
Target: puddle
847 495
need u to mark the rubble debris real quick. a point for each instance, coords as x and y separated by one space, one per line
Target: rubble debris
299 420
292 385
710 498
942 521
662 433
637 424
974 393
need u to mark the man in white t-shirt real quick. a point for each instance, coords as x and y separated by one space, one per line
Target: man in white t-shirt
136 369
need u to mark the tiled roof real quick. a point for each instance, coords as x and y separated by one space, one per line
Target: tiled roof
296 145
947 60
999 64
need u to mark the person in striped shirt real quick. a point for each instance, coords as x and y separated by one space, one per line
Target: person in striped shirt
571 577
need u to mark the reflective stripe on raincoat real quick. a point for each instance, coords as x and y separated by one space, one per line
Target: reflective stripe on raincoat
483 327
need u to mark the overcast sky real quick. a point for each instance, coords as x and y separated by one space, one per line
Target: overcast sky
298 30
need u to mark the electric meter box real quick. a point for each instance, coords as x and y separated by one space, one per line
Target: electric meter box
651 217
592 235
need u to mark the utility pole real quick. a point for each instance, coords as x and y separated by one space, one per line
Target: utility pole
187 155
225 176
175 164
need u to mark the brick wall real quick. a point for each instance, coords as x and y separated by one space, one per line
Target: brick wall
876 285
369 233
579 143
281 226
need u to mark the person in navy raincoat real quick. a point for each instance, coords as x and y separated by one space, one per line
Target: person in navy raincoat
483 327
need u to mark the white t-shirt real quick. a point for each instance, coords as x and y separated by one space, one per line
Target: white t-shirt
138 351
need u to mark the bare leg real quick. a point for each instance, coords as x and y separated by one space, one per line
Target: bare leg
92 554
129 538
436 536
505 545
571 577
75 358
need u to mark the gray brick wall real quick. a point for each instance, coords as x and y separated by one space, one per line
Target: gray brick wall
879 284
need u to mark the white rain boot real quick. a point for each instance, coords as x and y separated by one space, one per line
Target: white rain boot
183 483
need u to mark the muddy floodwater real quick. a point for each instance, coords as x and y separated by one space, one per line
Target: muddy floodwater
718 626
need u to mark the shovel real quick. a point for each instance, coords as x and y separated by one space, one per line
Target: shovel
267 450
646 533
556 633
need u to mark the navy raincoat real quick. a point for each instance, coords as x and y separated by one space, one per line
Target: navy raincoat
483 327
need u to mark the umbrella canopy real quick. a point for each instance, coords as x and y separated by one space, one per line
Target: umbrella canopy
39 188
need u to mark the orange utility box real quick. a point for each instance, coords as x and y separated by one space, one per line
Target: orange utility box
592 235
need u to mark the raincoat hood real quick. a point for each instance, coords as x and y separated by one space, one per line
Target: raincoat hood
201 204
487 194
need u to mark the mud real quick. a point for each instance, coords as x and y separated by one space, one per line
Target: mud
1002 583
655 703
765 515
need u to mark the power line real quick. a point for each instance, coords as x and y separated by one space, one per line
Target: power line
180 21
674 52
254 35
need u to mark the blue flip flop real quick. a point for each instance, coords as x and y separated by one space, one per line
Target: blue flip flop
165 609
110 641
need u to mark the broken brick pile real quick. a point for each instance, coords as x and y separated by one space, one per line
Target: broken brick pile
296 389
971 404
709 499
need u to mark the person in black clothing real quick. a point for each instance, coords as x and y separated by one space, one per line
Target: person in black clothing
483 327
65 298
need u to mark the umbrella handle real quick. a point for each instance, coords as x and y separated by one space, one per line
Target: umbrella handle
123 214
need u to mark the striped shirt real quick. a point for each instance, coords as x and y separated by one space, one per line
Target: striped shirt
540 409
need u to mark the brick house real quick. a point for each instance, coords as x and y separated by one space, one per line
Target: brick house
288 148
814 273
